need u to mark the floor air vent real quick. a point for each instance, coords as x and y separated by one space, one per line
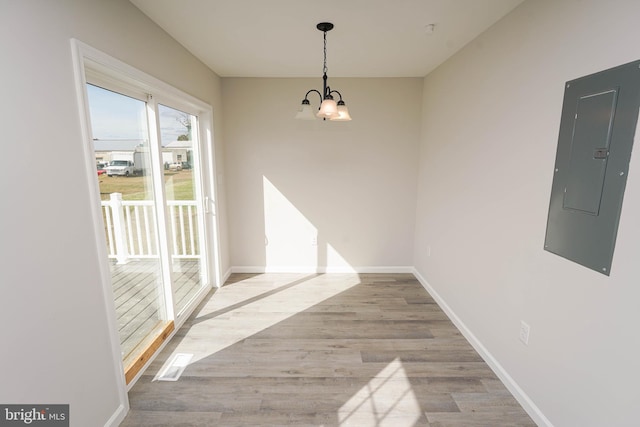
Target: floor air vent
174 369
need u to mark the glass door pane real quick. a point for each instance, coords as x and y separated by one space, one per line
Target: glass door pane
121 145
184 203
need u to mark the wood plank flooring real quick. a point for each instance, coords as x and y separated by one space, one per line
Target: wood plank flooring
323 350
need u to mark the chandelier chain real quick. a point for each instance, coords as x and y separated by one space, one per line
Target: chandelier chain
324 68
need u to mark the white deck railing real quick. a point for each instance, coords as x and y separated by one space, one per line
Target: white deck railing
131 228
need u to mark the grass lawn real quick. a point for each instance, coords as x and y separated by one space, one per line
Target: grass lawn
178 186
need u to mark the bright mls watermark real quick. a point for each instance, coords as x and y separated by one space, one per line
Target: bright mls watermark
34 415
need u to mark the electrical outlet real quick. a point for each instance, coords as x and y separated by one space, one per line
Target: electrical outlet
314 240
524 332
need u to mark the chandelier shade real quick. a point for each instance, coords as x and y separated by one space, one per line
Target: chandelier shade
343 113
329 108
305 113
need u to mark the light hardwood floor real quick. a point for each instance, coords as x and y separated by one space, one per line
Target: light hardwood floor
323 350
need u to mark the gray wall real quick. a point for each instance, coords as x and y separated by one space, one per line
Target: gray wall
55 340
490 127
354 183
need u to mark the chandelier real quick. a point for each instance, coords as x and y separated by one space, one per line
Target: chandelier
329 108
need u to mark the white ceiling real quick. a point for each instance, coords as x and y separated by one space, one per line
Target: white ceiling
278 38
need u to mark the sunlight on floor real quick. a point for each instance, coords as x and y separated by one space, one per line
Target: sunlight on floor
387 400
271 303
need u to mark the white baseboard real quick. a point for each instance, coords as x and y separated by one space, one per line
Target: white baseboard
534 412
117 417
320 270
225 276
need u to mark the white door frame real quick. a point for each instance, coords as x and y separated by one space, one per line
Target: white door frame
86 57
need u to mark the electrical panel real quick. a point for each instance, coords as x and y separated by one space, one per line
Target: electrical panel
598 123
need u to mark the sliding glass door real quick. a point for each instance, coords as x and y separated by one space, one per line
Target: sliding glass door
184 206
149 174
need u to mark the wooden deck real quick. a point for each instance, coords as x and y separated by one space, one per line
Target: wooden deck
137 296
